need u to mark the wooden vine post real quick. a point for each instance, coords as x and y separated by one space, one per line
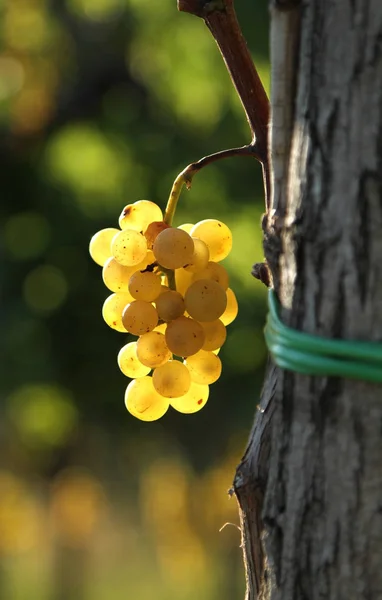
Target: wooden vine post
309 486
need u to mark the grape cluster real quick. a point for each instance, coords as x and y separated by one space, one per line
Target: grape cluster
171 291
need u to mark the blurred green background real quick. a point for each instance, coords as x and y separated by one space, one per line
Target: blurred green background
102 103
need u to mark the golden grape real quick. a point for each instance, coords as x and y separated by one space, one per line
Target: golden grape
139 317
182 279
152 349
214 271
170 305
232 308
153 230
129 247
186 227
129 362
199 258
139 215
113 308
145 285
173 248
184 336
172 379
205 300
204 367
143 401
115 276
216 235
193 401
100 245
215 335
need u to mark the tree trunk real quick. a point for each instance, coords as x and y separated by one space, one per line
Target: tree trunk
310 484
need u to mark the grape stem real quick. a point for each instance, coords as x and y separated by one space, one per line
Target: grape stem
186 176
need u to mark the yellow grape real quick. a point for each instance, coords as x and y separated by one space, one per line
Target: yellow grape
113 308
232 309
143 401
139 215
193 401
152 349
161 328
199 258
129 247
129 362
153 230
204 367
139 317
173 248
182 279
115 276
163 288
170 305
145 285
205 300
184 336
172 379
215 335
186 227
100 245
216 235
214 271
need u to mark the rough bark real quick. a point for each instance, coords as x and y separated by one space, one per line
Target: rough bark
321 518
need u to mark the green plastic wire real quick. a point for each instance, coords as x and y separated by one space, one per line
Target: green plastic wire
313 355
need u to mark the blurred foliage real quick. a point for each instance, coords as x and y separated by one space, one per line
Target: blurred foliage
103 102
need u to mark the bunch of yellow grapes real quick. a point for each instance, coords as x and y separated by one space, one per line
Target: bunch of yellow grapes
169 290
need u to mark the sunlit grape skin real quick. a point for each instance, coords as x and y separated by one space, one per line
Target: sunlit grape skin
129 247
205 300
215 334
113 308
152 349
200 257
193 401
184 336
145 285
100 245
139 317
204 367
216 235
173 248
129 362
172 379
115 276
143 401
139 215
170 305
214 271
232 308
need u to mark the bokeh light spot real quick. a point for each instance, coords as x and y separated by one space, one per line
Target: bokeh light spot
26 235
45 289
43 414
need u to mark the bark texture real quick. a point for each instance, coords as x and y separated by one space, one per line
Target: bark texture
321 521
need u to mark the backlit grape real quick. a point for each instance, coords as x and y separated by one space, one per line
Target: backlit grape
113 308
100 245
145 285
170 305
193 401
115 276
184 336
216 235
129 362
139 215
129 247
204 367
214 271
152 349
232 308
215 334
205 300
186 227
152 232
199 258
173 248
139 317
172 379
143 401
182 279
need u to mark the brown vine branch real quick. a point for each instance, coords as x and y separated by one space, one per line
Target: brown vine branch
220 17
